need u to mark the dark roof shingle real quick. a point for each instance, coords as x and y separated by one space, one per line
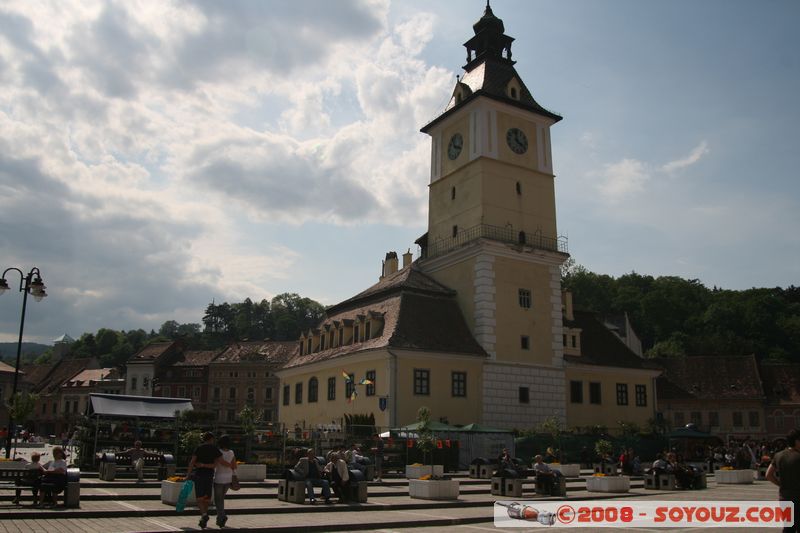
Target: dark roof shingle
718 377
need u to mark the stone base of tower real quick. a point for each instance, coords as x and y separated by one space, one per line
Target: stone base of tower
501 395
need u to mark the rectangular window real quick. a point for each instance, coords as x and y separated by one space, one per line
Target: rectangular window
55 408
331 388
313 390
232 393
778 420
679 419
165 391
309 346
455 231
350 386
330 338
355 334
145 382
564 340
298 393
525 298
133 383
251 394
181 392
231 415
524 395
459 384
574 341
594 393
696 418
738 419
368 331
524 342
286 392
341 336
641 395
321 342
196 392
216 394
753 419
267 416
713 419
370 388
576 391
44 408
622 394
268 393
422 382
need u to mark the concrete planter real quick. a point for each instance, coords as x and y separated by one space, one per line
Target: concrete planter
734 477
567 470
251 472
608 484
170 491
416 472
433 489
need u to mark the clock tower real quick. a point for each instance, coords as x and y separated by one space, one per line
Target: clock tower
492 232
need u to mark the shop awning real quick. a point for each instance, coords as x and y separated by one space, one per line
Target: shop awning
136 406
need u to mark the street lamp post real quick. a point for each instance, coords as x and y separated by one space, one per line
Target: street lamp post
28 284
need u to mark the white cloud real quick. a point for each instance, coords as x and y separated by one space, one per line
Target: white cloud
695 156
124 121
622 179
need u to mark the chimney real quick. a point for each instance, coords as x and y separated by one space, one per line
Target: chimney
407 258
566 298
390 264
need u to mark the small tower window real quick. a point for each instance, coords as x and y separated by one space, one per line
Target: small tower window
458 97
514 93
519 188
453 193
455 231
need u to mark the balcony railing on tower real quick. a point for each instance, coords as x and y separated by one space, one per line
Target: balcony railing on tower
495 233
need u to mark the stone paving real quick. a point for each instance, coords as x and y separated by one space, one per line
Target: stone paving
256 509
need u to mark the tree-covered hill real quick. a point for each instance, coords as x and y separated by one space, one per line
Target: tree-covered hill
675 317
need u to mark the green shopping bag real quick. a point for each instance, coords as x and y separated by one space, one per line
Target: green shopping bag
188 487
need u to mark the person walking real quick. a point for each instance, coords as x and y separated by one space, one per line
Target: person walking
784 471
203 462
224 473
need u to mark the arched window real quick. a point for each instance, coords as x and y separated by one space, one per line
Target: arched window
313 390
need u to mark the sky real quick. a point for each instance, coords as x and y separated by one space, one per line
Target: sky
157 155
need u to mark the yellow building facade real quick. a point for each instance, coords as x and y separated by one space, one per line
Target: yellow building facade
476 328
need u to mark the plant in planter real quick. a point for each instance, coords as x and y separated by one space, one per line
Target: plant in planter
429 483
604 464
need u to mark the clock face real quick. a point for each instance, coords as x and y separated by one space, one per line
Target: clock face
517 140
454 148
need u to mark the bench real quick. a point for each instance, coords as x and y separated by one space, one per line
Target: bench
663 481
291 491
481 471
667 481
21 475
558 487
162 464
15 475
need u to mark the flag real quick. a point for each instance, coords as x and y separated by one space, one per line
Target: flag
346 376
365 381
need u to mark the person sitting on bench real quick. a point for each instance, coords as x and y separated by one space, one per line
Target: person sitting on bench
54 480
338 474
32 479
546 475
137 459
505 466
